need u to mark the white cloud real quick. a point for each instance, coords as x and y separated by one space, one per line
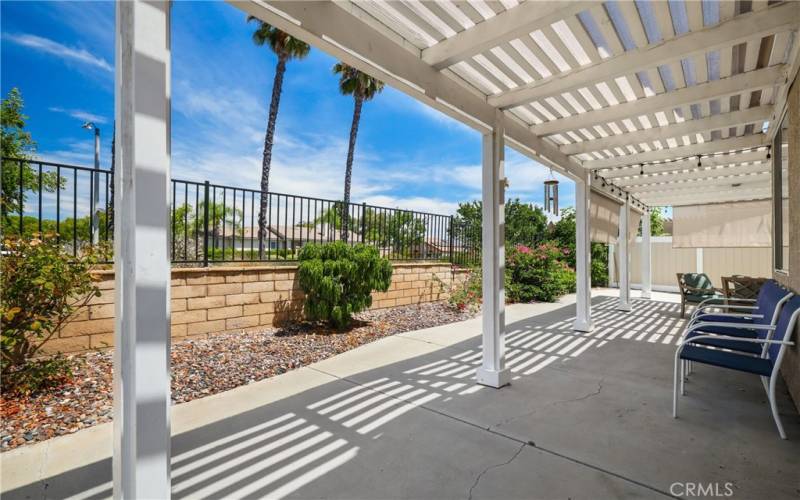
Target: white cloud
399 101
415 203
76 153
78 114
59 50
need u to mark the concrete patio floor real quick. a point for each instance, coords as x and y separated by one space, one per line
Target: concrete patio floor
586 416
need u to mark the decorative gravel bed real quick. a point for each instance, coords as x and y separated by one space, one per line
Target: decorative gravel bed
202 367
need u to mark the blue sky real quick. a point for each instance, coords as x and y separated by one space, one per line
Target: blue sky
61 56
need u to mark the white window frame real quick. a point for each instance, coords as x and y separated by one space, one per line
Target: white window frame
777 200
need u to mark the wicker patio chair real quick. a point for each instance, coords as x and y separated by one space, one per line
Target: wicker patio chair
742 287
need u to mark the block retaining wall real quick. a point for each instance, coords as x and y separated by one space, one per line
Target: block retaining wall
213 300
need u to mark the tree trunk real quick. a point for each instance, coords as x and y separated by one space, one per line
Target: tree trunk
348 173
266 160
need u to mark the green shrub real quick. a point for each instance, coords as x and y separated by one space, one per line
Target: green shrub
466 296
42 287
338 280
537 274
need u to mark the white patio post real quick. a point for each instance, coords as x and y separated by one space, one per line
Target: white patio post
492 371
624 257
612 264
141 258
647 282
583 256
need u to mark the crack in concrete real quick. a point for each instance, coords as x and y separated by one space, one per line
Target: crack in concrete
586 396
529 413
495 466
522 443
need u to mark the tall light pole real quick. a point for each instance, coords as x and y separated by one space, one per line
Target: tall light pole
96 184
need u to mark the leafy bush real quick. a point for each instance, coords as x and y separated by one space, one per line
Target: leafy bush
466 296
338 280
562 234
537 273
42 288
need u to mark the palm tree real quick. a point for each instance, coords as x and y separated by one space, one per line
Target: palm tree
363 88
286 47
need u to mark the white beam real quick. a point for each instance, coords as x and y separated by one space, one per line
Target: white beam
492 371
666 102
690 151
720 196
676 167
721 36
700 175
704 186
337 30
606 190
689 127
624 258
583 256
516 22
647 282
612 266
141 260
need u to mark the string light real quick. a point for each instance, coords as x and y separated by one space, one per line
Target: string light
699 161
685 158
769 152
619 191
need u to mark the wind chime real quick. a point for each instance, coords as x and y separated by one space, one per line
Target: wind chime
551 195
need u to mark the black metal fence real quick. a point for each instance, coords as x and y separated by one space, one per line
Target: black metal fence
212 223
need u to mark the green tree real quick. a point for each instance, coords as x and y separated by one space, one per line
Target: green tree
331 216
363 88
18 143
286 47
400 231
188 227
525 224
656 221
562 233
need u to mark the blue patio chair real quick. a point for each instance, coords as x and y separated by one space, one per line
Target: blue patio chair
772 339
733 307
771 298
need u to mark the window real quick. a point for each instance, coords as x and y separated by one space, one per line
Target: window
780 205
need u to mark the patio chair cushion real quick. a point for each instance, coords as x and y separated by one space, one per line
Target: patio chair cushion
724 359
724 319
733 345
695 297
725 330
698 280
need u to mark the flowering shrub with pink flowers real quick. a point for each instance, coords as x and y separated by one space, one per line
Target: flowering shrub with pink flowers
538 273
466 296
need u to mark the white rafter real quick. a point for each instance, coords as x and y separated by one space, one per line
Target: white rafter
775 19
691 127
712 196
676 167
666 102
697 173
702 184
720 146
338 30
509 25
